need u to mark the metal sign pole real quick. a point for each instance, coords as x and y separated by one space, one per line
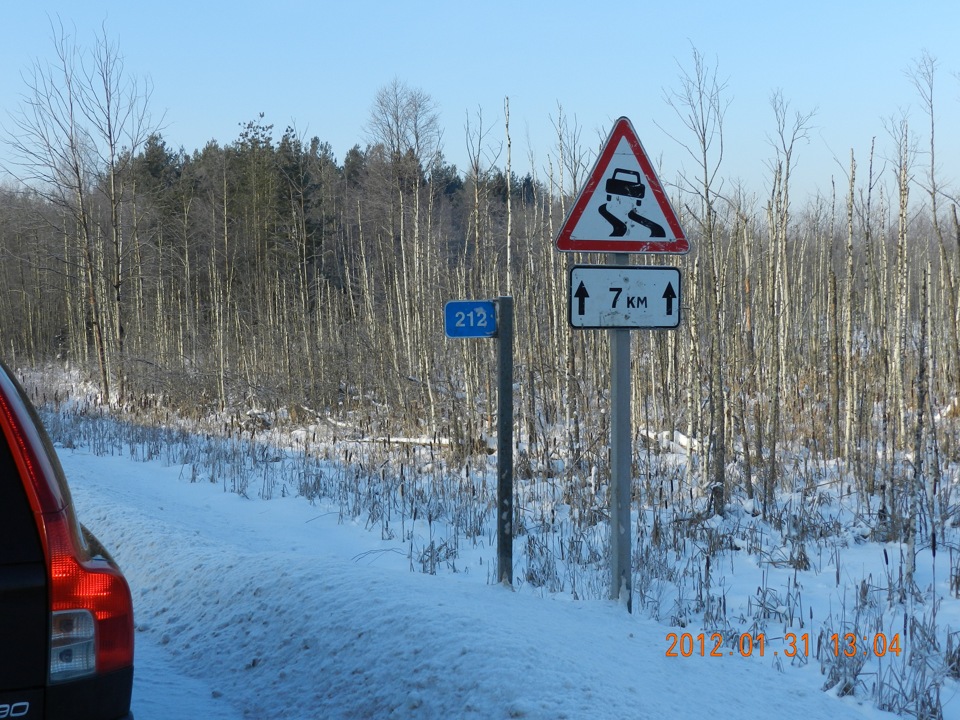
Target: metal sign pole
486 319
505 439
621 575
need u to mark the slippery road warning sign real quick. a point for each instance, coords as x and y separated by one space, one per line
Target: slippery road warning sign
622 208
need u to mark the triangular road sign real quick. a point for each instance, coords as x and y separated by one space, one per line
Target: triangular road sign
623 207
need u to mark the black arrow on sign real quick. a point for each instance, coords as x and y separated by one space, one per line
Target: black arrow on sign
669 295
581 294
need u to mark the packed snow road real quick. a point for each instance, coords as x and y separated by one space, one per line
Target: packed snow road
274 609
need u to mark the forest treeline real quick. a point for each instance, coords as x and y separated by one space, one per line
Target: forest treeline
263 272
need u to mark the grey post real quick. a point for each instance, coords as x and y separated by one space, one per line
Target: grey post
621 575
505 440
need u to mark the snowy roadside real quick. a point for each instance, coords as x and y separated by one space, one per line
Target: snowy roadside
161 690
273 609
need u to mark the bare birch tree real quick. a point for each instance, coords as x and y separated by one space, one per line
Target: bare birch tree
79 124
923 75
700 105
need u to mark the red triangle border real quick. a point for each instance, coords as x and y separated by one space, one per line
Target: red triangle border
677 245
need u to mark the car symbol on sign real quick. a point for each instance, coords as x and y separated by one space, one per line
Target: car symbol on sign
625 182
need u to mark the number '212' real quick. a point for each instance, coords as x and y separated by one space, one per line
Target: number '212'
474 318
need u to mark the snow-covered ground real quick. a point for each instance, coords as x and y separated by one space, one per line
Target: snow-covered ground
276 609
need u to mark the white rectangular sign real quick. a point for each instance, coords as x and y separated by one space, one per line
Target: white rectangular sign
614 296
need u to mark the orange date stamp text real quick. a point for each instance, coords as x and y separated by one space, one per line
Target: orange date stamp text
791 645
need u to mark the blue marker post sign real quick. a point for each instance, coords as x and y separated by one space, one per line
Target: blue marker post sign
470 319
494 319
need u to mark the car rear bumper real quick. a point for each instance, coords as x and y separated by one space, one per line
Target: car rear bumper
103 697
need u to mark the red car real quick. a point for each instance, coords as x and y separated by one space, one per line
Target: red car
66 616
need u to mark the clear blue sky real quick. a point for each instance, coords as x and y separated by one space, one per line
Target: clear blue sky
318 65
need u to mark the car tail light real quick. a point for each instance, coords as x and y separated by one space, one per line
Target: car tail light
90 603
91 609
73 645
